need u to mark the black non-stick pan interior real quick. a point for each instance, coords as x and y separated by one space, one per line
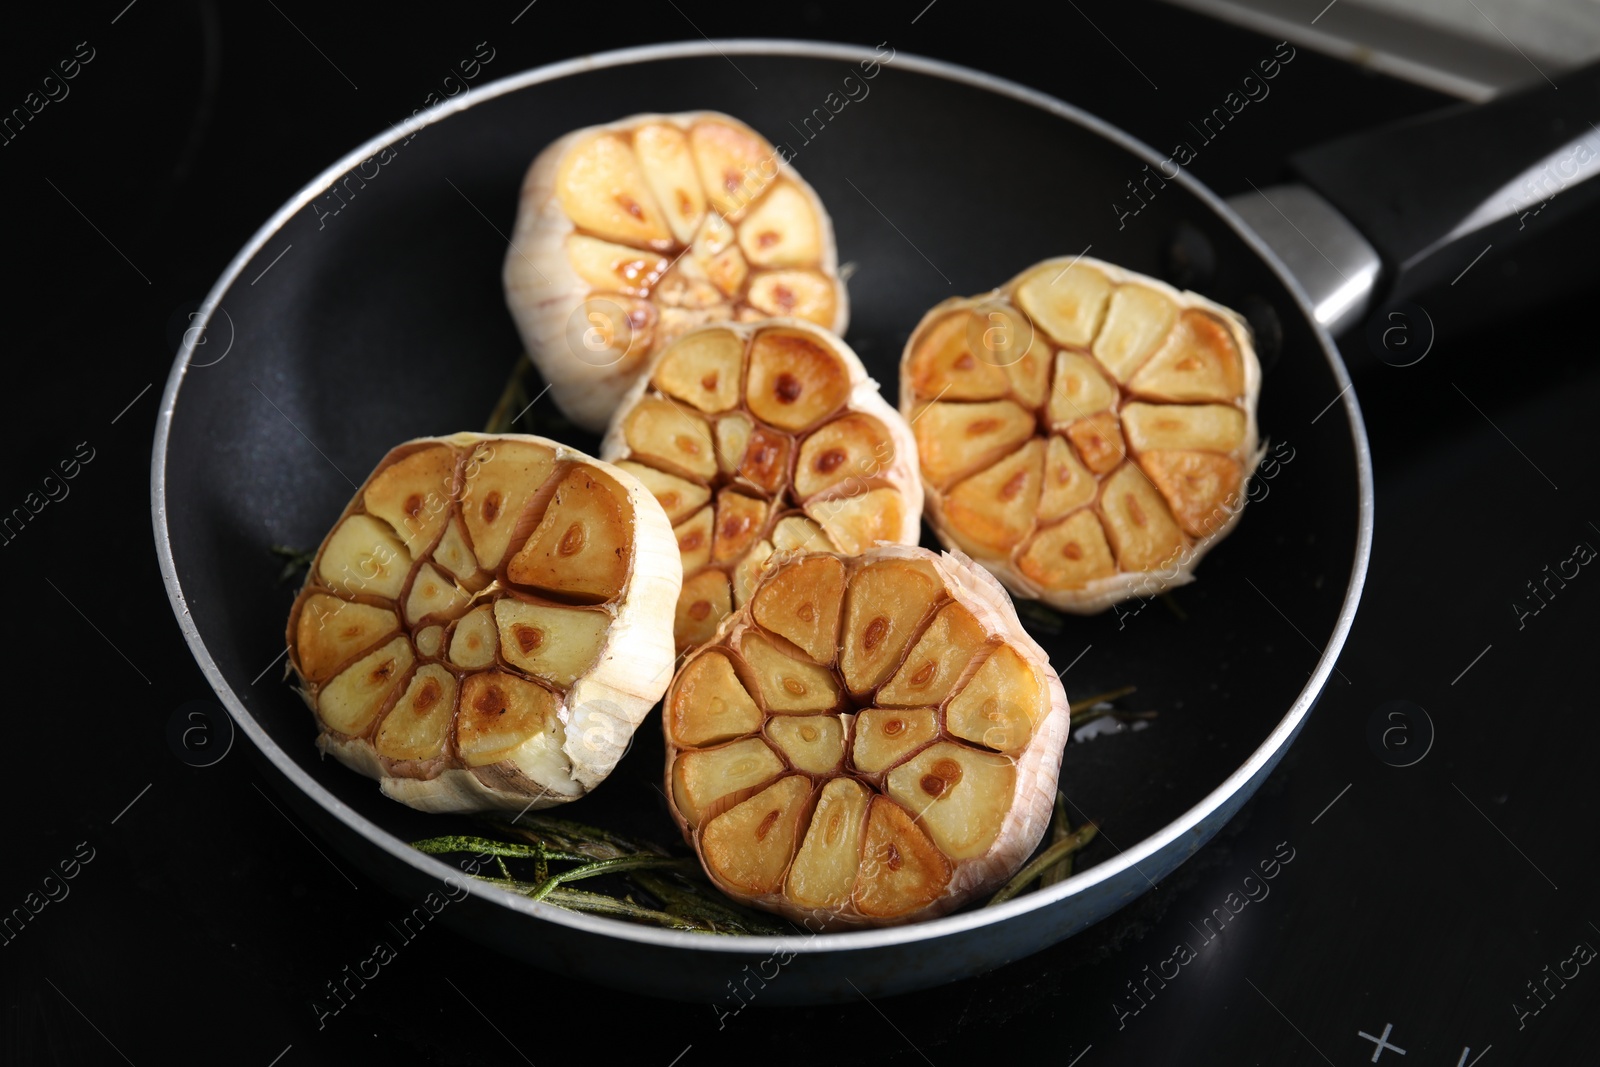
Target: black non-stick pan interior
375 314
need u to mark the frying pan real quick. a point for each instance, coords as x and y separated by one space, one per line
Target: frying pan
368 310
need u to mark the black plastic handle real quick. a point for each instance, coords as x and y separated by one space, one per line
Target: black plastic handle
1409 186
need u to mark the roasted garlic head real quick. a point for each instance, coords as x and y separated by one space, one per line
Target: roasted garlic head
871 739
487 623
759 438
1085 433
631 233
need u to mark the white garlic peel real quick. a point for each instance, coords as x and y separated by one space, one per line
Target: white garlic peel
759 438
870 740
487 623
1085 433
631 233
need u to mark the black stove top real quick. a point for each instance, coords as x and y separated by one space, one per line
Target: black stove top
1404 890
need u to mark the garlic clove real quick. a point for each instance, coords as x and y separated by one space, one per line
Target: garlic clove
1199 361
994 509
1067 484
1136 321
740 520
1001 703
943 365
558 644
1203 427
888 602
603 190
501 478
581 546
1067 303
1069 555
959 796
803 604
902 871
794 380
800 294
811 743
665 434
702 371
788 685
956 440
749 845
363 557
418 726
851 446
669 168
353 699
856 523
702 777
824 869
1080 389
1197 485
329 631
885 736
413 496
1139 525
781 231
931 668
705 599
708 705
678 497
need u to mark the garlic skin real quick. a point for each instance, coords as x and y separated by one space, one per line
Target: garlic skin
791 438
907 808
1127 432
487 623
656 249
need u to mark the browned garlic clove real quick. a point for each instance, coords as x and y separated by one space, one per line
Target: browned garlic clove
1085 433
870 740
759 438
489 621
635 232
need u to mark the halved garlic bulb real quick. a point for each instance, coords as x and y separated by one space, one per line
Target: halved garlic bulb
631 233
759 438
1085 433
871 739
487 623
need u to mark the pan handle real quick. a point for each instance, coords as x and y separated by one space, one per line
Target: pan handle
1385 214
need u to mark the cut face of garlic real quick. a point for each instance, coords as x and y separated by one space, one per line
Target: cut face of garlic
488 622
630 234
759 438
870 740
1085 433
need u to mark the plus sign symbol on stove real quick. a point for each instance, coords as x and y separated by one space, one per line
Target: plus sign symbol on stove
1382 1043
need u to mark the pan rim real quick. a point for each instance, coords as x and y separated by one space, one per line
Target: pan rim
1262 757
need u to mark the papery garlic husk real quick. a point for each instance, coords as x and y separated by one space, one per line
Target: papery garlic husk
1085 433
870 740
631 233
487 623
762 438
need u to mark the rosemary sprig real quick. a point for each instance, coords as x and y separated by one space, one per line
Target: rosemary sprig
1099 706
1044 861
688 901
295 560
514 411
1060 830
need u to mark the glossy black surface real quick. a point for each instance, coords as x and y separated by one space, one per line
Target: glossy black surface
206 922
